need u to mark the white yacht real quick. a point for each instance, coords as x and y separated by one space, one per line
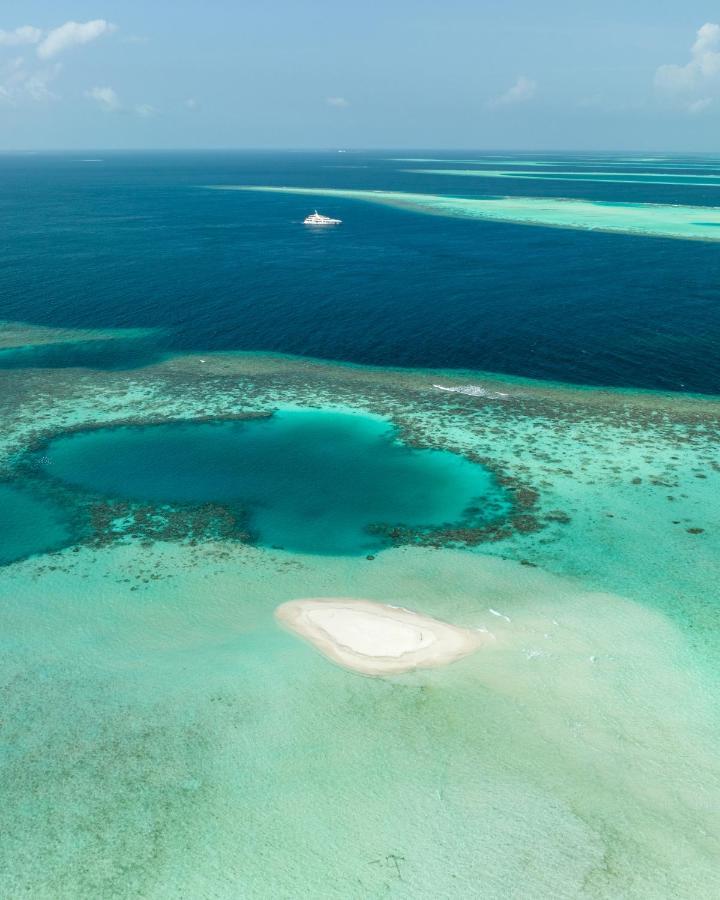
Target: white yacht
316 219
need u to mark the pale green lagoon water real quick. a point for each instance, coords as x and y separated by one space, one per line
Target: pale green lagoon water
650 219
163 738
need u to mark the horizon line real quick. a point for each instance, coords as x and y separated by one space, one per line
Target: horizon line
340 149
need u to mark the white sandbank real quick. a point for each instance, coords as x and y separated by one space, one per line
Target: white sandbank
377 639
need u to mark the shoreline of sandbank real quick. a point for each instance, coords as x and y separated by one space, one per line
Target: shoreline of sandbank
376 638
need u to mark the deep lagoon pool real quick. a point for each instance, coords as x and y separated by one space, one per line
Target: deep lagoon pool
309 481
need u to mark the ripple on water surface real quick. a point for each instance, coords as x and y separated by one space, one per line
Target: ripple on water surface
312 482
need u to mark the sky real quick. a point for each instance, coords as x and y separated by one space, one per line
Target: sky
489 74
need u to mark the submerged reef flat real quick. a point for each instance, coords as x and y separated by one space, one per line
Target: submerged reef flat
155 710
649 219
167 738
607 164
376 638
15 335
581 175
599 479
482 161
22 345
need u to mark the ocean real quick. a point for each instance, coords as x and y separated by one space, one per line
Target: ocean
488 397
151 247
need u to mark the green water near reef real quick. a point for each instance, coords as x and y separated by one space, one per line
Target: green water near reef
311 481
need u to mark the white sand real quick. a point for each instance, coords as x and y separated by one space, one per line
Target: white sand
376 639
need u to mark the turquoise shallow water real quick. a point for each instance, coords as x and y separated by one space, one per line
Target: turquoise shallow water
165 739
160 736
310 481
608 177
29 525
687 222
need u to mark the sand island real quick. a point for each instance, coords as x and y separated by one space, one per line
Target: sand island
375 638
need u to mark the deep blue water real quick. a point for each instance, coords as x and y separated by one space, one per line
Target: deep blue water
311 481
135 240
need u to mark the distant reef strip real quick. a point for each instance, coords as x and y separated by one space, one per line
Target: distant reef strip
698 223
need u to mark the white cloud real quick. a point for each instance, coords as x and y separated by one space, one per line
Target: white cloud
697 106
523 90
338 102
109 101
71 34
105 97
18 83
25 34
36 85
698 76
21 81
54 41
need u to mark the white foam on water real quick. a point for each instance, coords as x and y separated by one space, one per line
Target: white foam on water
473 391
499 614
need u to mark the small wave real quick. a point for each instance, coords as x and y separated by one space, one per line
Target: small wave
473 391
499 614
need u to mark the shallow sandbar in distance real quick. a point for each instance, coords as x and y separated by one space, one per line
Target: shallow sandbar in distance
377 639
